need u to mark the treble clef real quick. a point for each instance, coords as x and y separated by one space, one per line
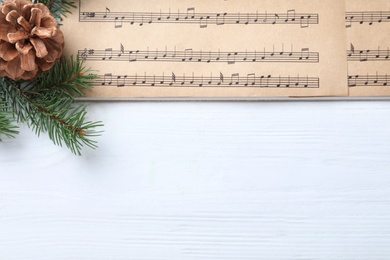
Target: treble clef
84 54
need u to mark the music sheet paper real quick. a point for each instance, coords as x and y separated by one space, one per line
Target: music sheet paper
368 43
219 48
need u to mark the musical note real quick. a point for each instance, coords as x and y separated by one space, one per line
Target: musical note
266 85
156 55
118 22
352 51
132 21
200 58
202 19
368 80
232 57
305 54
133 55
282 51
210 79
246 55
189 55
209 59
178 15
173 79
107 79
279 83
220 20
247 19
367 54
122 50
368 17
174 54
146 56
235 80
162 80
306 82
276 18
304 21
220 78
250 79
201 81
272 53
190 13
121 81
106 13
290 16
107 54
150 20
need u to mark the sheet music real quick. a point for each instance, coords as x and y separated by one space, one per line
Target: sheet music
219 48
368 44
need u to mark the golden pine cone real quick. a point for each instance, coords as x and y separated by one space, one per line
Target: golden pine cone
30 40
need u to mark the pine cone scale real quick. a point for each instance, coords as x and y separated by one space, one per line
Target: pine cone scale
4 30
42 32
24 49
23 22
14 68
17 36
40 47
36 17
28 61
7 53
8 7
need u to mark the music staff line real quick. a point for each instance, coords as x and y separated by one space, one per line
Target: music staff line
366 17
202 19
234 80
368 80
368 55
189 55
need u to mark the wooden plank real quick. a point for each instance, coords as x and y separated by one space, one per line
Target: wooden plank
277 180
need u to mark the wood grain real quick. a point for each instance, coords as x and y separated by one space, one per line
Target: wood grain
198 180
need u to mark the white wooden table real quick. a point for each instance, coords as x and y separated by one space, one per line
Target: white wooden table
204 180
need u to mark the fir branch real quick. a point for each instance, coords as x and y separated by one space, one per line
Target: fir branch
68 76
64 122
48 104
59 8
7 128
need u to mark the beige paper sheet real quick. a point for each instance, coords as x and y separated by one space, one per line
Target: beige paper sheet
368 43
220 48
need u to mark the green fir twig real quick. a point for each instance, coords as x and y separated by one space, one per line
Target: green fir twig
48 104
59 8
7 126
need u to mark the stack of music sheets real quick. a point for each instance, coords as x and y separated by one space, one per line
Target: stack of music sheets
233 49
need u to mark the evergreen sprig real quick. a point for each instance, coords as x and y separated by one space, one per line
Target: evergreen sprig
7 127
59 8
48 105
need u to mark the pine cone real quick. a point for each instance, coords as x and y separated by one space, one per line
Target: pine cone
30 40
